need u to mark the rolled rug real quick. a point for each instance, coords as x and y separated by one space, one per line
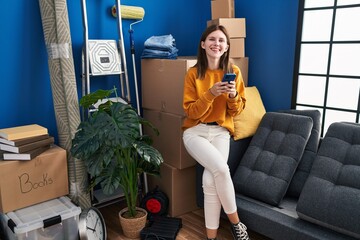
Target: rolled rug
55 21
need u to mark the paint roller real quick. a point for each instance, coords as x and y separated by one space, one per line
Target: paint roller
129 12
136 13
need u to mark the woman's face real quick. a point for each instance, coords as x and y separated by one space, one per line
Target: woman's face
215 44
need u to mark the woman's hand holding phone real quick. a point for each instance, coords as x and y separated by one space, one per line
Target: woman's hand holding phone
229 80
227 85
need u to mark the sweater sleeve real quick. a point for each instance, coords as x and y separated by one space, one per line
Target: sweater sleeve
237 104
196 107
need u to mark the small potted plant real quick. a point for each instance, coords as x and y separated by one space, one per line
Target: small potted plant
114 151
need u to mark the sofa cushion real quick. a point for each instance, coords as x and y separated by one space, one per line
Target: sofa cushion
331 194
246 123
303 170
269 162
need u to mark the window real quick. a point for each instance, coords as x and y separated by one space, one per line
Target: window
327 67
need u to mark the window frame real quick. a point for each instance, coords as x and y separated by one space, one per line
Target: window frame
327 75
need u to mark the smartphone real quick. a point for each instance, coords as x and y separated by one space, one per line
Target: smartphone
228 77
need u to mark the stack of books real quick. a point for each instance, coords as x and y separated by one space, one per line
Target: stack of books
24 142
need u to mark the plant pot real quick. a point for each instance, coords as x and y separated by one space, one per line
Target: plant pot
132 226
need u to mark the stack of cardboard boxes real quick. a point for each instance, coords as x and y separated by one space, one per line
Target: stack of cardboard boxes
162 97
223 13
162 93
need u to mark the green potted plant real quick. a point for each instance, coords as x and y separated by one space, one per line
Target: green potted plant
110 143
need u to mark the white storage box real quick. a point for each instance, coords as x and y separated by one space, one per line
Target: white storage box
56 219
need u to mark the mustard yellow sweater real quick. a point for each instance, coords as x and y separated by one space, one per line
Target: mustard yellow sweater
201 105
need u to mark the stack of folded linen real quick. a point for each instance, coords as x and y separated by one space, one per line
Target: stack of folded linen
160 47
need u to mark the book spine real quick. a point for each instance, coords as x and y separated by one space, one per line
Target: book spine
5 141
25 156
27 147
23 141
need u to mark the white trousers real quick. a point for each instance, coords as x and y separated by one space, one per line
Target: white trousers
209 145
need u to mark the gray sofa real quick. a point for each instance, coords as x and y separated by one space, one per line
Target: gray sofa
289 186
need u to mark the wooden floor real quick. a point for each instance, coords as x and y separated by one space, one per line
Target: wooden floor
192 225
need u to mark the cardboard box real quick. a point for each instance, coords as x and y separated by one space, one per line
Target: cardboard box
169 142
162 83
234 26
222 9
237 48
24 183
179 186
243 64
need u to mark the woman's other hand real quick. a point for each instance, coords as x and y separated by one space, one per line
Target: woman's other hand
232 89
219 88
224 87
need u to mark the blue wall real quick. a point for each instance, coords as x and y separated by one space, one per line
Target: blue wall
271 28
25 82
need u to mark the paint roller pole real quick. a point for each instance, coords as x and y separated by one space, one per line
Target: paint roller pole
132 49
122 51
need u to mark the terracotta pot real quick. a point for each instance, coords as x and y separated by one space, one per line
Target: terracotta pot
132 226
